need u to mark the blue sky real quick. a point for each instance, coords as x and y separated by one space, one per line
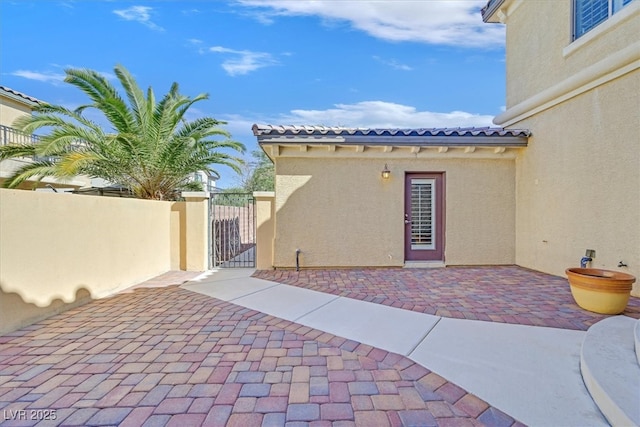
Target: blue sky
393 63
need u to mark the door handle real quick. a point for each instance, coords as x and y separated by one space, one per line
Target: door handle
406 221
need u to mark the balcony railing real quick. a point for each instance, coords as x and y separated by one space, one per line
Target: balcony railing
10 135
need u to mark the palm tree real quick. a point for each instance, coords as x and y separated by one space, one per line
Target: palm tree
151 148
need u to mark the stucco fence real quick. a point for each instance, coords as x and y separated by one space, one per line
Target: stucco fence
58 251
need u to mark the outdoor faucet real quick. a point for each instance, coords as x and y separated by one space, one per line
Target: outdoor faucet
589 255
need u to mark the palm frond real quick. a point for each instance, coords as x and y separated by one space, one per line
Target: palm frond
137 101
37 170
105 97
75 163
11 151
227 143
92 83
150 147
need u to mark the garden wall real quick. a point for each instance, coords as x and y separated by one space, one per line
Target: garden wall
58 250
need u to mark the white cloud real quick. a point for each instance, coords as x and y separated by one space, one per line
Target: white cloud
239 126
440 22
190 12
198 45
381 114
141 14
243 61
54 77
365 114
393 64
46 77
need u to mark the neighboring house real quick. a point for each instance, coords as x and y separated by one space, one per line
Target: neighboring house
560 175
207 179
13 105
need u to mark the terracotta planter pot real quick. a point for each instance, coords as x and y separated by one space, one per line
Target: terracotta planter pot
600 291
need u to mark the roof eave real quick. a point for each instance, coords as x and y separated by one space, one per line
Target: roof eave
291 135
19 97
490 9
397 141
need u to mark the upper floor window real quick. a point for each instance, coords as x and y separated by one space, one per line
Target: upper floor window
589 13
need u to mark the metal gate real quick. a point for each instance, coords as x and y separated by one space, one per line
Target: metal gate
233 230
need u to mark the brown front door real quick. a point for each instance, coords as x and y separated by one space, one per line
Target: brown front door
423 217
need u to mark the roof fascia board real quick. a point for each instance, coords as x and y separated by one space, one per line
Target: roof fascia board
440 140
400 141
301 139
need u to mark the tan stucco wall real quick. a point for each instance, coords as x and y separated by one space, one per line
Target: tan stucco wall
340 212
265 228
10 110
578 182
178 236
57 249
540 52
196 239
15 313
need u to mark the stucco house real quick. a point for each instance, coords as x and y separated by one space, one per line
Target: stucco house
559 174
208 180
14 104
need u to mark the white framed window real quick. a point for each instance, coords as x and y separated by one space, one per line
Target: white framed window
587 14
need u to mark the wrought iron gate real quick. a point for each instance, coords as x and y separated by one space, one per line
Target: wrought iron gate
233 230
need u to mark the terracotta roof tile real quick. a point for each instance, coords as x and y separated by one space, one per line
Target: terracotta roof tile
262 130
15 94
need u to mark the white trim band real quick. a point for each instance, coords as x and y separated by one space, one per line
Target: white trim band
611 67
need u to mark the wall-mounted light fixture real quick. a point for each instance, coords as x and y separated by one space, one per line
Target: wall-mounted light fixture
386 173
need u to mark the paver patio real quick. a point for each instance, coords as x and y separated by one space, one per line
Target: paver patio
165 356
507 294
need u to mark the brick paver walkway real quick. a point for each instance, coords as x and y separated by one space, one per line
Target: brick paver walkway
508 294
165 356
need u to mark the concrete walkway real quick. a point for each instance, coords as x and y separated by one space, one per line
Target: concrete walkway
531 373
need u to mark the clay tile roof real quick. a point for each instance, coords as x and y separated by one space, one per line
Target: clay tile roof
264 130
14 94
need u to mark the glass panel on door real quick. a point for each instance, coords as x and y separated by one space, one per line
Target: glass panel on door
423 205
